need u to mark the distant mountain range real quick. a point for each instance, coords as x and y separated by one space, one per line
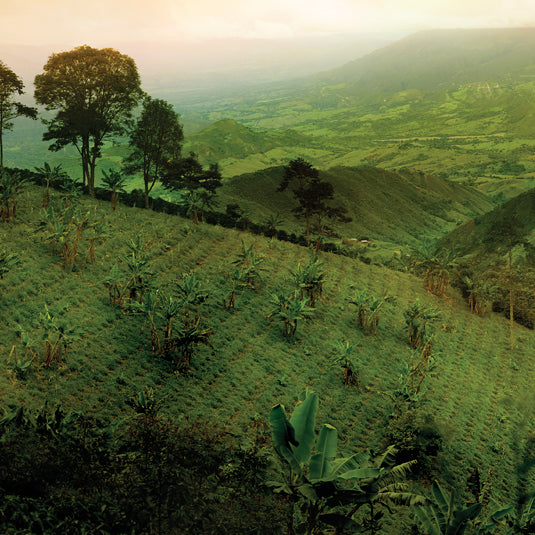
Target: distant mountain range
453 102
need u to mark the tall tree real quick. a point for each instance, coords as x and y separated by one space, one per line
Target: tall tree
188 174
506 233
155 139
10 85
301 172
311 193
94 92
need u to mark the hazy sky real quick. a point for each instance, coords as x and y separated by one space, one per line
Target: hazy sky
110 22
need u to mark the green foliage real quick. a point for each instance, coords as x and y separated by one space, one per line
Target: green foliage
249 262
328 489
155 139
368 308
48 174
8 261
135 282
58 336
20 364
10 84
290 309
114 182
65 472
444 516
65 229
420 318
310 278
343 356
480 293
10 186
94 92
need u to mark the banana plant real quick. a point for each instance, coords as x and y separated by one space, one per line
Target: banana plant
249 262
114 182
7 262
443 516
310 279
327 489
193 294
290 309
58 336
47 174
344 357
10 185
368 308
420 318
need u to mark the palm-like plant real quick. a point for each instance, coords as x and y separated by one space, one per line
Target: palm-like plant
328 489
10 185
436 267
193 202
249 262
58 336
192 294
344 357
291 310
480 293
310 278
47 174
271 223
368 308
114 182
7 262
419 319
444 516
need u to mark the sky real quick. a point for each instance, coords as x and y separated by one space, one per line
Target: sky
70 23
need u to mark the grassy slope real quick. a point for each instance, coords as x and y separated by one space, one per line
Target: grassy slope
386 206
481 394
469 237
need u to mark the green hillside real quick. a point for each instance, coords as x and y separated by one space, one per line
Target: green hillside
387 207
469 237
476 401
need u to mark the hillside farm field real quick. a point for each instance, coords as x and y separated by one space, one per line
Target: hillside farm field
477 396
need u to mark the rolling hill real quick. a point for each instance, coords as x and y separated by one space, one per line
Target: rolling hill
469 237
393 207
454 102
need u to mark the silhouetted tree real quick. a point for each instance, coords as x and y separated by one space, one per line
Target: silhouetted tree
188 174
94 92
312 193
156 140
10 84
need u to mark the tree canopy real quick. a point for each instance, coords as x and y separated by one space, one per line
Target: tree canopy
311 193
155 140
10 85
94 92
188 173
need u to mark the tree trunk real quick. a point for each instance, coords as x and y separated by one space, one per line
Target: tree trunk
511 301
146 199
